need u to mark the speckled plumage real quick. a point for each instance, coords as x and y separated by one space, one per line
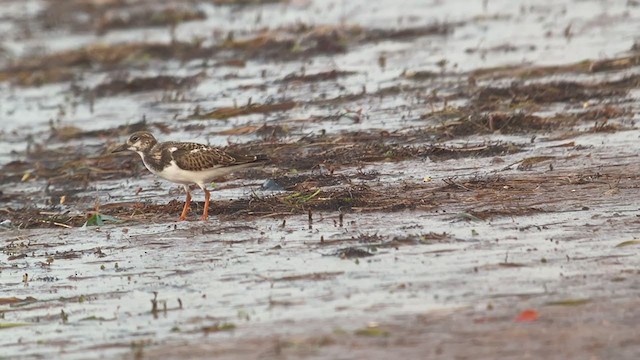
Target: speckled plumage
187 163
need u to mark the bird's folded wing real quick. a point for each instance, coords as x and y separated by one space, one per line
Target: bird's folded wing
192 156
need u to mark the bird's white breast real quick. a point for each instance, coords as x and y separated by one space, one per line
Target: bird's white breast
175 174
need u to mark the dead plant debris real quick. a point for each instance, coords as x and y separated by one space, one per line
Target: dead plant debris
565 91
490 195
156 83
586 66
229 112
321 76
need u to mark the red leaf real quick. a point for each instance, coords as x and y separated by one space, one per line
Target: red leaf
527 315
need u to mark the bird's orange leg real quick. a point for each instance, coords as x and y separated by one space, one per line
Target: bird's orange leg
207 196
187 205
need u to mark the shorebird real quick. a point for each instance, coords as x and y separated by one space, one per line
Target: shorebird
187 163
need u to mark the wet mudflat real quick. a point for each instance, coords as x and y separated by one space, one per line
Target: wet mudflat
446 180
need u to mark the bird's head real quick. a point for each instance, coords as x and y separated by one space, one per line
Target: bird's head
140 141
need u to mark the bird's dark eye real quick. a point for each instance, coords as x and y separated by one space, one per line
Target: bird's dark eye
134 138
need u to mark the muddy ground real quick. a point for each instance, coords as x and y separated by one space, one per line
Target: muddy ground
454 180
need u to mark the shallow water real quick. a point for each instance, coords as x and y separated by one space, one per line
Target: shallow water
88 290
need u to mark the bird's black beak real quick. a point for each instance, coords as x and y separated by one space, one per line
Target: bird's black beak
120 148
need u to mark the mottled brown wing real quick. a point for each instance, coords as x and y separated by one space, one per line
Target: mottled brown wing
192 156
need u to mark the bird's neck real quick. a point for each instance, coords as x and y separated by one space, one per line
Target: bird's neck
153 160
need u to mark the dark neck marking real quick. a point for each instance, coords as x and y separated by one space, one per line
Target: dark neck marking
158 157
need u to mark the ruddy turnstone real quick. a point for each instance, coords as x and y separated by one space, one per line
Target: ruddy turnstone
187 163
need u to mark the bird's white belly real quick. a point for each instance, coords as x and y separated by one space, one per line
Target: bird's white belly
177 175
174 174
